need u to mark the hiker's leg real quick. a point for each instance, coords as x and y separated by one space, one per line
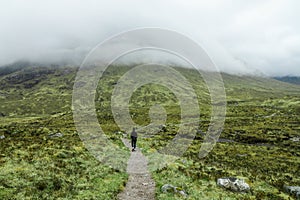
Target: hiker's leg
135 139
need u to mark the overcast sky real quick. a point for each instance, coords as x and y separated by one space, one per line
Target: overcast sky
240 36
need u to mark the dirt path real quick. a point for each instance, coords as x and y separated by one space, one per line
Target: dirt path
140 185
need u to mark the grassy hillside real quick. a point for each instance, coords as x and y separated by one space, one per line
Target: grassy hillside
289 79
257 142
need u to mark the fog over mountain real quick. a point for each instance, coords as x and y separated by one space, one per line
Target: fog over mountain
241 37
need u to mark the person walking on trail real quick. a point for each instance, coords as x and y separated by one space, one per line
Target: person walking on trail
133 139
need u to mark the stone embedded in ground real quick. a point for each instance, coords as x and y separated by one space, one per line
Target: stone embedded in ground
167 188
119 133
293 190
233 184
295 139
56 135
163 128
225 140
182 192
170 188
241 155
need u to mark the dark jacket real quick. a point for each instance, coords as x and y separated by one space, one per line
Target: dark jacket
134 134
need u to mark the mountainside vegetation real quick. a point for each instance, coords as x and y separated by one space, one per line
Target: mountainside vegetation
289 79
42 156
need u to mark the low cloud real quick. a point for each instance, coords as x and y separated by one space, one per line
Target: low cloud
241 37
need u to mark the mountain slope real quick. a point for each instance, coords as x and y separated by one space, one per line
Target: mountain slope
34 90
289 79
257 142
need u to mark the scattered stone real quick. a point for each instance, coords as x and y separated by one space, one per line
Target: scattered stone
241 155
170 188
167 188
182 193
240 132
270 115
123 134
261 144
293 190
2 137
56 135
119 132
233 184
295 139
163 128
225 140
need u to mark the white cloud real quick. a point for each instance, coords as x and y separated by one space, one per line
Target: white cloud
241 37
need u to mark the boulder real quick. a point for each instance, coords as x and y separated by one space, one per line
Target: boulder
233 184
293 190
167 188
170 188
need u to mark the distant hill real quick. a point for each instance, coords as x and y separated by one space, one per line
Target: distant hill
29 89
11 68
289 79
32 89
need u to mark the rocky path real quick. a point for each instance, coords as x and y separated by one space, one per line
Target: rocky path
140 185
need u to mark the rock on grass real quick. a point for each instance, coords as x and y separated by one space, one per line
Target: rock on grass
233 184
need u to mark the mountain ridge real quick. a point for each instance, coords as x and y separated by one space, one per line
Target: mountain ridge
30 84
289 79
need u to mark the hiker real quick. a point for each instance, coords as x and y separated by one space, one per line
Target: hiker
133 139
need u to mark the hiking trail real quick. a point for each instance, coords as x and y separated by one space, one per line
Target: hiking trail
140 185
